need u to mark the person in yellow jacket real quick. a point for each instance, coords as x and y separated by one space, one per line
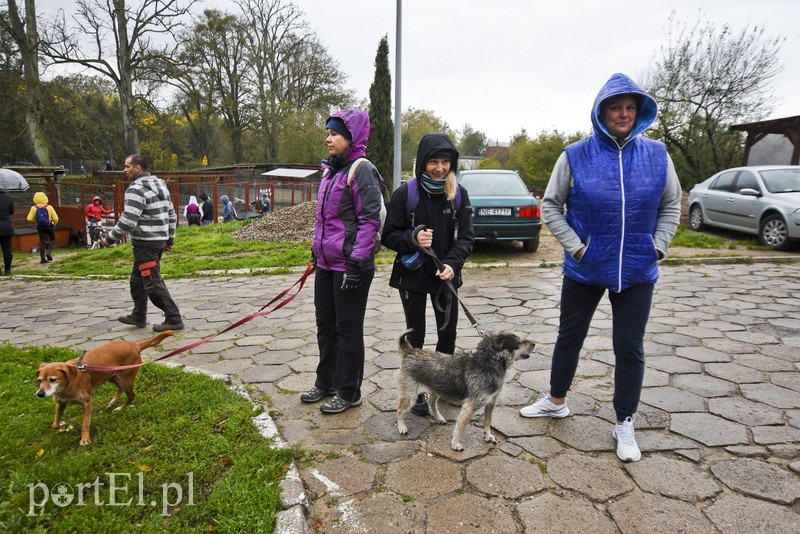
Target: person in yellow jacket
46 220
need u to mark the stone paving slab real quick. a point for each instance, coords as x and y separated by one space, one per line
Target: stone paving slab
708 429
672 399
718 424
557 514
608 478
503 477
745 411
759 479
735 514
645 513
673 478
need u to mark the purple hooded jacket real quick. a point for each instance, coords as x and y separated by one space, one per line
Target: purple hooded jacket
348 219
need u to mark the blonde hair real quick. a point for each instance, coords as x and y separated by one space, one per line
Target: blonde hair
450 186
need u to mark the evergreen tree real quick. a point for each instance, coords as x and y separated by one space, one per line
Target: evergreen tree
380 147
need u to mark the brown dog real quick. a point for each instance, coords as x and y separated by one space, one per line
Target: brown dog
68 385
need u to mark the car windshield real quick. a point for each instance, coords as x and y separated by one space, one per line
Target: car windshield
782 180
494 185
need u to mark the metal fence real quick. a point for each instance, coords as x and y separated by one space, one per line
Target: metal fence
246 196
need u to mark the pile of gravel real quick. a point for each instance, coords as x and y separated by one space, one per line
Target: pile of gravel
295 223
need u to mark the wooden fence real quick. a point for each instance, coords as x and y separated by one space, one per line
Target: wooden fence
71 195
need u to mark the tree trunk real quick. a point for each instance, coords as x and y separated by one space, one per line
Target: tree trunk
128 117
26 36
125 82
33 113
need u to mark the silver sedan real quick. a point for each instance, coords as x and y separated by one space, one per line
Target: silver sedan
761 200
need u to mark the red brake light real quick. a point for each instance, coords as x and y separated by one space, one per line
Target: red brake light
529 212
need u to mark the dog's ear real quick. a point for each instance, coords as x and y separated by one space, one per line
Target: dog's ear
40 367
504 342
509 342
68 371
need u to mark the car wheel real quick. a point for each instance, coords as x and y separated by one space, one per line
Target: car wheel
774 233
696 218
532 245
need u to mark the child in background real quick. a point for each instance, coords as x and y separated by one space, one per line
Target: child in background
193 213
228 211
94 213
46 220
207 207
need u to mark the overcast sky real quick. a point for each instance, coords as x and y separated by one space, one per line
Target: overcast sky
504 65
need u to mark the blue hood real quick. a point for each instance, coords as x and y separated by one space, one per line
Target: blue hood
620 84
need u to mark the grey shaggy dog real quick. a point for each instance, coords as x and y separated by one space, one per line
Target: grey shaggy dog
473 379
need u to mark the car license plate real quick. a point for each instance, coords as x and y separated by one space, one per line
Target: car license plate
506 212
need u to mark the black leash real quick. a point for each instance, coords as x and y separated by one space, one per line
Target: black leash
448 283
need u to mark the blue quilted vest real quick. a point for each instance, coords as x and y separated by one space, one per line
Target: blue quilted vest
613 207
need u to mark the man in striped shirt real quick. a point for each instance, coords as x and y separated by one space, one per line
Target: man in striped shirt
149 218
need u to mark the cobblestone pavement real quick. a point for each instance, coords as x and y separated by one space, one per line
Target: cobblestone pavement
719 420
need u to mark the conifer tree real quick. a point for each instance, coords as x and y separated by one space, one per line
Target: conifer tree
380 147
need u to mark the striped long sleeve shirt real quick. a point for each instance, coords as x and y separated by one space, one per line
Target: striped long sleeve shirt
149 215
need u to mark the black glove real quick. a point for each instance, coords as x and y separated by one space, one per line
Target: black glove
352 277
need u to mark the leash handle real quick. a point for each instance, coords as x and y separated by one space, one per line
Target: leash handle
310 268
440 266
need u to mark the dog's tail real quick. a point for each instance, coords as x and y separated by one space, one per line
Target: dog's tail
154 341
405 346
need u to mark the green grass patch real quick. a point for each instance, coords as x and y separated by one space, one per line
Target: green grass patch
185 457
716 239
197 249
689 238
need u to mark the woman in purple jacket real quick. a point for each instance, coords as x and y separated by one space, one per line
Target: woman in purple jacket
344 246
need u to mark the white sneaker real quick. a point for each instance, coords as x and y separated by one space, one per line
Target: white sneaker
544 407
627 449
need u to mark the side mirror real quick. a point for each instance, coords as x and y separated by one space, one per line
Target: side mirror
749 192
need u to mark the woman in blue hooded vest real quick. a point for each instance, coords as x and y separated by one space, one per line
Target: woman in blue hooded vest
613 202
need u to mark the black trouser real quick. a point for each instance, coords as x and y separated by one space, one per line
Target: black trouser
414 308
146 283
5 242
630 310
47 240
340 332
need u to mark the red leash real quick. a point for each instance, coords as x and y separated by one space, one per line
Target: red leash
309 269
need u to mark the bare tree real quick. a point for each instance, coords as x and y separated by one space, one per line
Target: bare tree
121 42
705 79
23 30
195 99
292 71
217 45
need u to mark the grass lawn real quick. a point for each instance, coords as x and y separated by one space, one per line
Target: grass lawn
197 249
184 457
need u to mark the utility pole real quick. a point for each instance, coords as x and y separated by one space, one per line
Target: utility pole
398 115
